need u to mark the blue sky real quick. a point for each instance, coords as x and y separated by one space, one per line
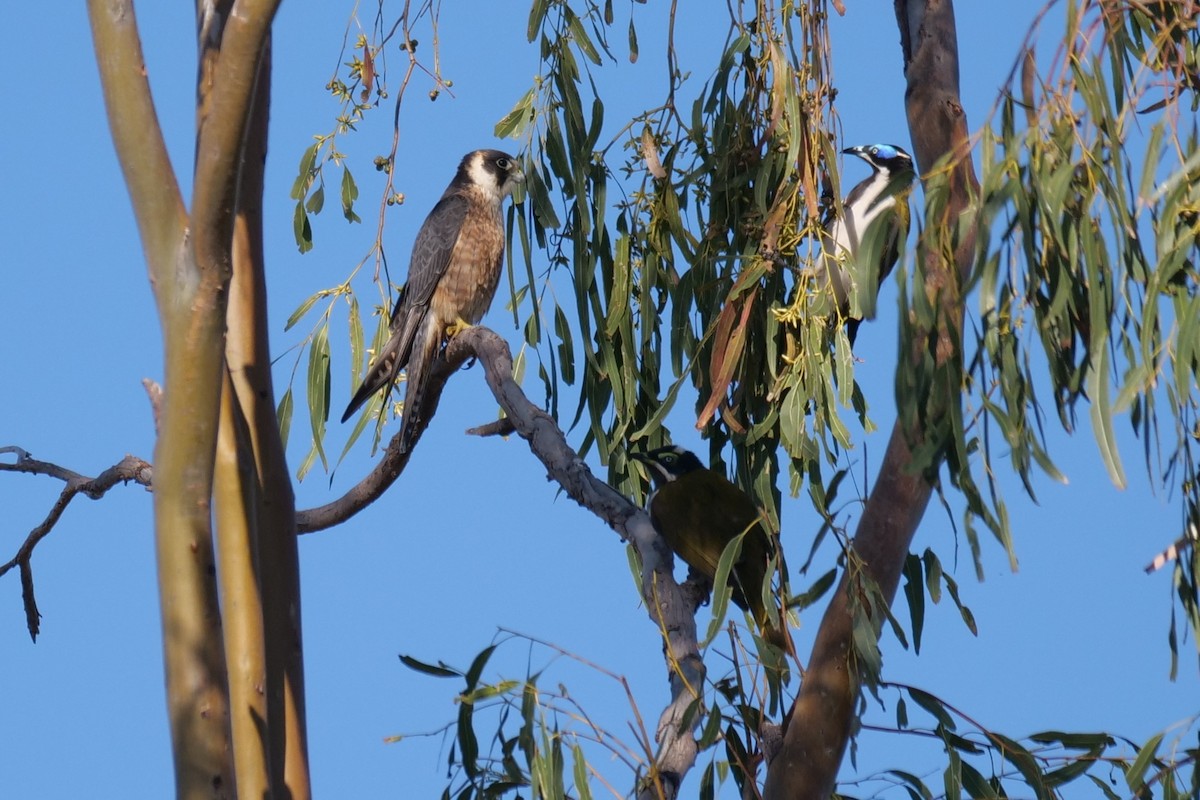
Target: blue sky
472 539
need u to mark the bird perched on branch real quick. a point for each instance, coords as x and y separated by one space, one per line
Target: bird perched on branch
860 245
699 512
452 278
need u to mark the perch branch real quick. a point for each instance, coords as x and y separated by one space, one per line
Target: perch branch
671 606
395 457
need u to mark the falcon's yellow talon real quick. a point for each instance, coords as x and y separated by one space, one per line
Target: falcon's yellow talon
458 327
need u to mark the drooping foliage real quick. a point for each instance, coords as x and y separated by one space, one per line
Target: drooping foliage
664 258
1089 287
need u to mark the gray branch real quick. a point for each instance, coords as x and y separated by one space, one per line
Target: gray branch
130 468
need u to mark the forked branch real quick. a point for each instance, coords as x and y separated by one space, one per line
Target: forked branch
130 468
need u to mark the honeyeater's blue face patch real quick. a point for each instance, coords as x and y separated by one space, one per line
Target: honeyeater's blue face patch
883 151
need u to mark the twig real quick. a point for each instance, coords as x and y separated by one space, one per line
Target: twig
499 427
130 468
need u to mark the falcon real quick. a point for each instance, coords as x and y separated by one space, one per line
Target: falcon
452 277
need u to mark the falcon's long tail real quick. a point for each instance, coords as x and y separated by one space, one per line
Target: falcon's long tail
424 353
391 359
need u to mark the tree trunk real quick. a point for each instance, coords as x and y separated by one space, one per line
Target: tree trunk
823 715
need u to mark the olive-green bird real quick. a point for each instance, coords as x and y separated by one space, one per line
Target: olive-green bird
699 512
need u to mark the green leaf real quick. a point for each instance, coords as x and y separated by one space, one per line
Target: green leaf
721 589
844 368
356 342
815 592
1074 741
915 594
305 174
1185 172
318 389
307 464
349 195
1150 164
477 665
595 128
518 372
468 745
580 773
967 616
656 419
537 16
514 123
934 706
952 776
633 42
916 786
301 228
1101 411
976 785
1025 763
488 691
440 671
866 647
579 35
566 347
316 201
369 413
933 575
283 416
1108 793
712 728
539 196
1135 775
299 313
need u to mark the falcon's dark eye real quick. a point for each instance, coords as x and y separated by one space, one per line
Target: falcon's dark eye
503 163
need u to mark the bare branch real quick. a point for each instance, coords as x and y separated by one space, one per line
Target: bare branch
396 454
523 417
394 460
499 427
669 605
127 469
154 394
672 607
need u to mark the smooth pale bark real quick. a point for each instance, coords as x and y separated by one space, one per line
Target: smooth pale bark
236 492
193 332
248 356
190 264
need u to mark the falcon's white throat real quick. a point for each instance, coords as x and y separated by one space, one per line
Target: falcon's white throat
485 181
